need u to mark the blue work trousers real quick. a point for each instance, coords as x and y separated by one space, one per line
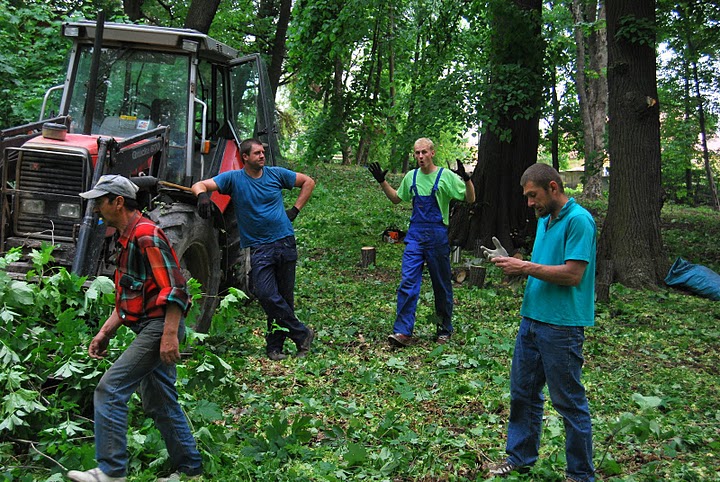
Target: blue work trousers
552 354
273 283
425 245
140 368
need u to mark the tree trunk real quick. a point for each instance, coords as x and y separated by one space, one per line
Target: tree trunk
133 9
277 54
555 132
338 110
501 209
201 14
592 91
630 250
703 141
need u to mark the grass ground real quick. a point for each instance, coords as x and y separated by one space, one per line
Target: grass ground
358 409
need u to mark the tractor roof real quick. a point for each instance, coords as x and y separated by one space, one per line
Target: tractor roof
146 36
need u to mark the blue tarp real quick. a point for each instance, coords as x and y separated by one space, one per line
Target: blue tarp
694 277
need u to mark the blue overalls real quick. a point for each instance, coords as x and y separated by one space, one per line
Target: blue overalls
426 242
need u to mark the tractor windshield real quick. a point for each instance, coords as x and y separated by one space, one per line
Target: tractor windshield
136 91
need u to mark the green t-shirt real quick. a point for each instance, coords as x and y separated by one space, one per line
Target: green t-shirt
449 187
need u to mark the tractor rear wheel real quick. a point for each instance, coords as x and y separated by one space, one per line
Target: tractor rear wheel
195 241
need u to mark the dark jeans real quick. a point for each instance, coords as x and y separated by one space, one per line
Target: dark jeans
273 283
551 354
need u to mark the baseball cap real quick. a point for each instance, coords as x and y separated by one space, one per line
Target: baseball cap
112 184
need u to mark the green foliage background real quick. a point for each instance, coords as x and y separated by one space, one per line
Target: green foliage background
356 408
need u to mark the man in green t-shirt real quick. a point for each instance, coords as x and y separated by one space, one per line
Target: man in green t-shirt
430 189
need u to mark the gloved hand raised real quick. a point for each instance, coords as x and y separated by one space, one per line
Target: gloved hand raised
460 171
499 251
204 205
377 172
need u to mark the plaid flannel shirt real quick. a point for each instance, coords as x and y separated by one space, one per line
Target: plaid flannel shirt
148 275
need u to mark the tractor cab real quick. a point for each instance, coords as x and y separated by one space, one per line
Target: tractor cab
164 106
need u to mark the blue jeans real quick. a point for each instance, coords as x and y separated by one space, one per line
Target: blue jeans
272 276
140 368
551 354
425 246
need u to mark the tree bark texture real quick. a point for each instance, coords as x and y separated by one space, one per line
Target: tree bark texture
501 209
630 245
201 14
703 141
592 90
278 44
133 9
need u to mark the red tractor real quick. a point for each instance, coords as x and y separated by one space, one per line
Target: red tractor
164 106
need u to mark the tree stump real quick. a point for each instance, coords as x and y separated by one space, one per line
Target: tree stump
367 256
476 276
460 274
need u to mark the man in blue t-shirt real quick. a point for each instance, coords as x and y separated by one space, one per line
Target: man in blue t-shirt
265 227
557 306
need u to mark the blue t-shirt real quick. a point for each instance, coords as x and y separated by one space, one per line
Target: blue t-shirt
569 237
259 204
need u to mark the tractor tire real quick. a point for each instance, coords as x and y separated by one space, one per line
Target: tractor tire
238 259
195 241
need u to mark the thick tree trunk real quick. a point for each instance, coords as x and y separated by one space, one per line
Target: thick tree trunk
630 250
501 209
201 14
592 91
133 9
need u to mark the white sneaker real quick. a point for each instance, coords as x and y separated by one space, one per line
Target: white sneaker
176 476
92 475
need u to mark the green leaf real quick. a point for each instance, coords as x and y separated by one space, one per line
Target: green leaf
646 403
208 411
355 455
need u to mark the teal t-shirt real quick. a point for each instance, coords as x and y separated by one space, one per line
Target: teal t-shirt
449 187
569 237
259 203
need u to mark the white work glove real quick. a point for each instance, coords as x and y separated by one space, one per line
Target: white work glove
494 253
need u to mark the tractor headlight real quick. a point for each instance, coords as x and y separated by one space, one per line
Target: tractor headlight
69 210
32 206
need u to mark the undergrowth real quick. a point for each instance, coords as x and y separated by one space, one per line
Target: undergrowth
356 408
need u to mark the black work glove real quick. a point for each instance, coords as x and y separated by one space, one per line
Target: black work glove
377 172
460 171
292 213
204 205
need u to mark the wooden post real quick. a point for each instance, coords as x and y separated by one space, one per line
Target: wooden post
476 276
367 256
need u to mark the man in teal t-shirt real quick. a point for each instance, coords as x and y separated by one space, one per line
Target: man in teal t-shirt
430 188
557 306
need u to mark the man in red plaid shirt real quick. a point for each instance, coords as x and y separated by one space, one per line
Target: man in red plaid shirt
151 299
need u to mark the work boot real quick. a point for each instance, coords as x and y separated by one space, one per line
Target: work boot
276 355
92 475
304 347
176 477
398 339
